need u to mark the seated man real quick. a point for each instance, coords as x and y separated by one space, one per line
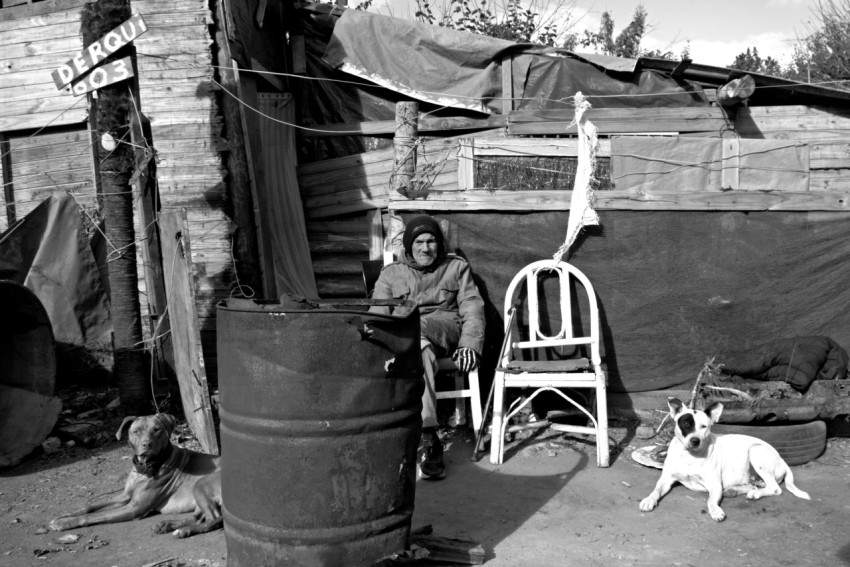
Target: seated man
451 318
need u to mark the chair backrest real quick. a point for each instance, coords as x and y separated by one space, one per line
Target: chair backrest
568 334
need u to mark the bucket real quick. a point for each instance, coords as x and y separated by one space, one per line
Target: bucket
320 421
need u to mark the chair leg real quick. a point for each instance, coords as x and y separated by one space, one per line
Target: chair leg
475 399
460 402
497 437
602 450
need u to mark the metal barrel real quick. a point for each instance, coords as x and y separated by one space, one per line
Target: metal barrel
320 421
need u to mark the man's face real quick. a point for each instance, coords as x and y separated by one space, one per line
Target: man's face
425 249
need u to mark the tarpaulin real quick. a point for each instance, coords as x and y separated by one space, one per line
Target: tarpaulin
450 68
48 252
677 288
426 62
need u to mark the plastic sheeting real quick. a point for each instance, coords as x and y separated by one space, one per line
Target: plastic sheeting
390 59
676 288
49 253
450 68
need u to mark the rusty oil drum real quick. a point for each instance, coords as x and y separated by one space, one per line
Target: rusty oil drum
320 422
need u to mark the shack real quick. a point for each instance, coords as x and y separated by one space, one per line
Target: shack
722 197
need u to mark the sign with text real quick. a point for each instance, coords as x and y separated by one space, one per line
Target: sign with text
94 54
107 74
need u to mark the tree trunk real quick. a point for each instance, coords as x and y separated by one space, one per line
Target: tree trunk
116 161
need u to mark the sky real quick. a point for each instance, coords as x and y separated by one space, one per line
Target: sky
717 30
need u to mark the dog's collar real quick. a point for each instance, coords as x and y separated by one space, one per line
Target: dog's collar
152 467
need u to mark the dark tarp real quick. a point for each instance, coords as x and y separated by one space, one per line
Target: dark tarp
48 252
439 66
445 67
676 288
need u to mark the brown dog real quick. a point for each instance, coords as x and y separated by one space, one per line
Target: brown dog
165 479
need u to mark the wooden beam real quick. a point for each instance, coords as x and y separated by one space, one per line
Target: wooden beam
450 550
8 186
680 69
387 127
247 91
185 329
147 199
376 234
622 120
629 200
29 9
404 148
270 78
466 164
507 85
730 166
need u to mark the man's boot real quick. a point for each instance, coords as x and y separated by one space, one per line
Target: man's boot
430 455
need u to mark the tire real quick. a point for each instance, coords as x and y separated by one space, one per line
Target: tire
797 444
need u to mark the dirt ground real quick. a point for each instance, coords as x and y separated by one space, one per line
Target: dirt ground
547 505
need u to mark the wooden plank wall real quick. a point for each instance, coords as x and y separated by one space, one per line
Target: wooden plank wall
31 47
337 247
361 182
333 190
49 163
177 95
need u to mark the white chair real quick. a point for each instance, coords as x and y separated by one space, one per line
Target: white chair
515 370
371 269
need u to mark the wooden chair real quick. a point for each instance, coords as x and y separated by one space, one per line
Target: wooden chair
531 359
371 269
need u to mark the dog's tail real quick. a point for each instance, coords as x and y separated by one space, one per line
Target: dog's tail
792 488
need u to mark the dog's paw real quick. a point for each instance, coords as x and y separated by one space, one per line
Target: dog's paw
648 504
754 494
163 527
61 524
182 532
717 514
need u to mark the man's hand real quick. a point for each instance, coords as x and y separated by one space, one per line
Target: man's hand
466 359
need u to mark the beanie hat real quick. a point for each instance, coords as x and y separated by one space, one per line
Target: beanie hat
421 224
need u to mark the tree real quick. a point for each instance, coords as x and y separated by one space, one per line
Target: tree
627 43
824 55
111 118
751 61
511 21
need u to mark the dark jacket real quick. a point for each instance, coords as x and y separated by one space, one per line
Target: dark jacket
451 309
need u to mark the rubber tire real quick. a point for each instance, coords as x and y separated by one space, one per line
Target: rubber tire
797 444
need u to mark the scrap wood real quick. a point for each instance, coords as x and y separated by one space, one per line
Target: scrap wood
450 550
170 562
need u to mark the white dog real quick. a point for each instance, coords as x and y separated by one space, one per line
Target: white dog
717 464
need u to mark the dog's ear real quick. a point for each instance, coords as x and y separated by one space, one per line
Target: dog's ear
120 432
675 405
714 411
168 421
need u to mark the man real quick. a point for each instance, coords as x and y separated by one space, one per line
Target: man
451 318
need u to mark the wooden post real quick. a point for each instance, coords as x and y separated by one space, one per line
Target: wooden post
376 234
404 145
147 200
8 187
507 85
730 166
245 246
